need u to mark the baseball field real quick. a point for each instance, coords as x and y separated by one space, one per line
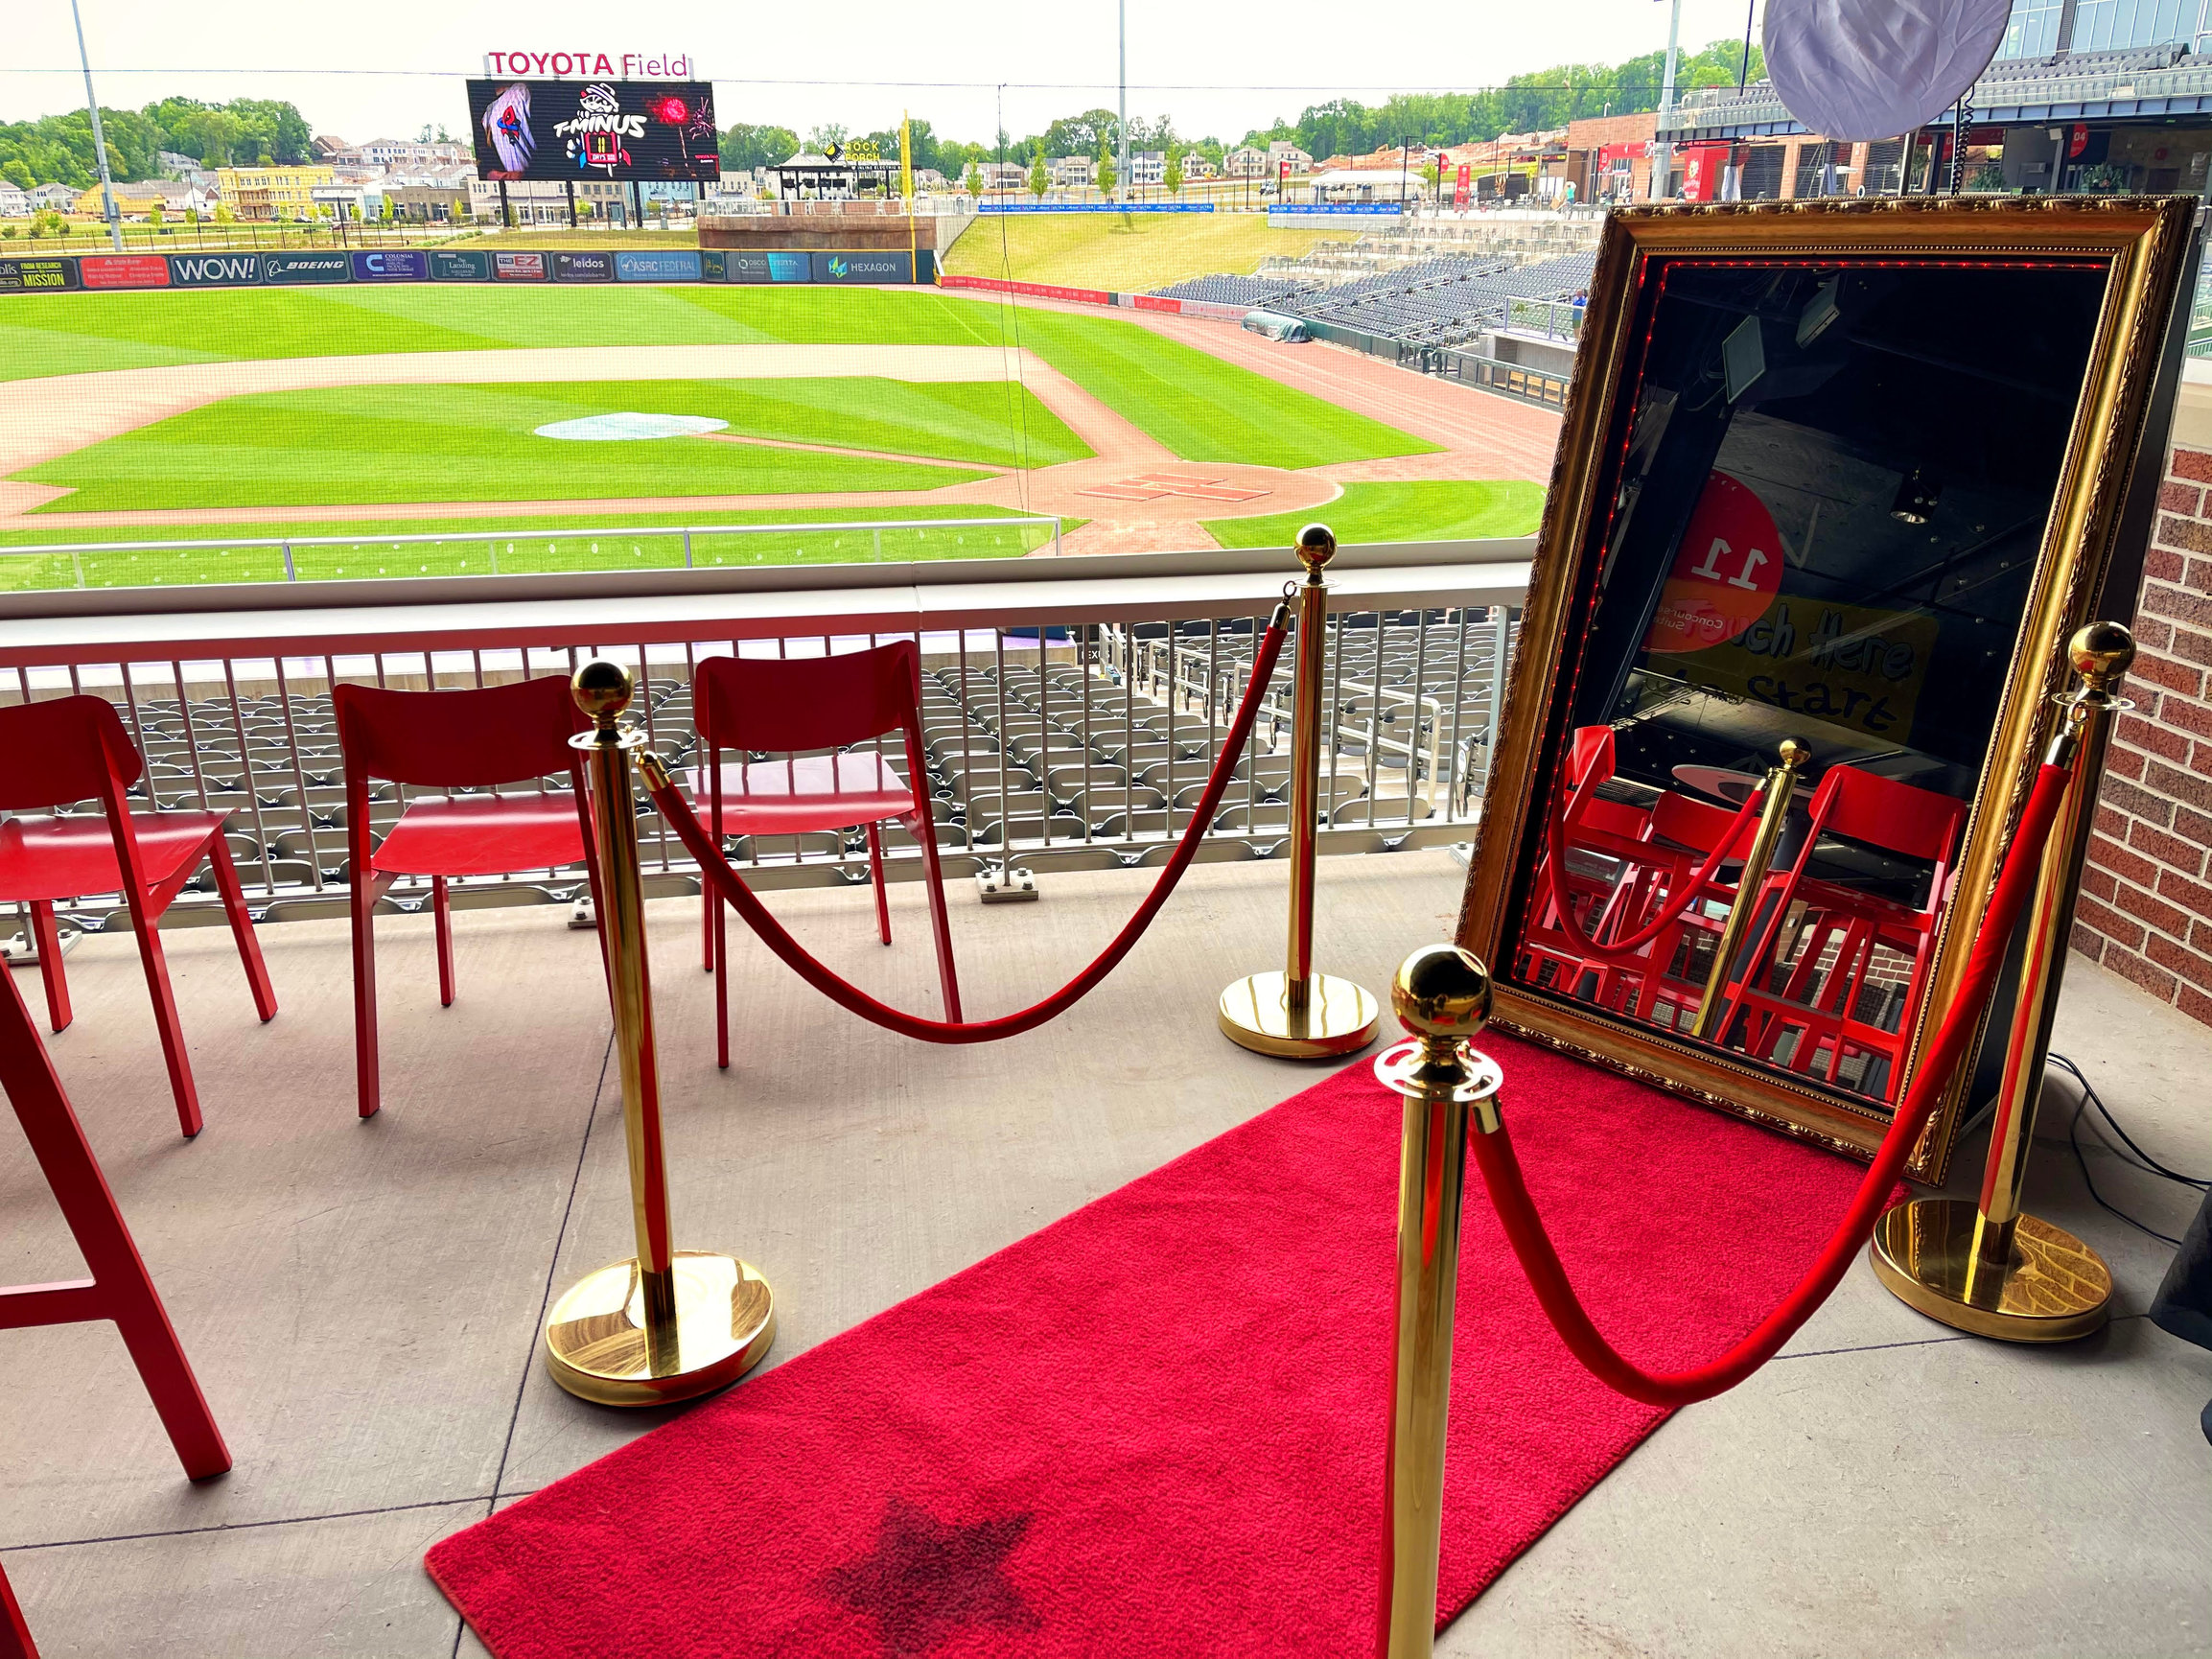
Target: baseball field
541 419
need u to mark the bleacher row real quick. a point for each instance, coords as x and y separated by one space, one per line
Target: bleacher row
1442 301
1118 750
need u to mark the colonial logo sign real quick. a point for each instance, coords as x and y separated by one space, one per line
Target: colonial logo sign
1726 573
215 269
391 264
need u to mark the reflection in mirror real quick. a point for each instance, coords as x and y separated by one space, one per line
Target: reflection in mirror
1812 577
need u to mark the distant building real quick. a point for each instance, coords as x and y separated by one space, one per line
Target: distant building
929 178
1149 167
410 153
267 192
1073 172
544 201
58 197
1245 163
1003 174
1281 152
327 147
137 200
1198 165
14 200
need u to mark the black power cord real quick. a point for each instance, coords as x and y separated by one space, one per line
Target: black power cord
2135 1154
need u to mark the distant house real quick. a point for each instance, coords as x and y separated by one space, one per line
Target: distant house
1245 163
1198 165
138 199
328 147
929 178
14 200
1149 167
1072 171
60 197
410 153
190 169
1003 174
1280 151
533 201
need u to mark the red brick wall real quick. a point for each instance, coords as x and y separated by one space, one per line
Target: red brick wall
2146 904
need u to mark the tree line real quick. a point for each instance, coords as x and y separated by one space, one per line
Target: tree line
244 133
1535 101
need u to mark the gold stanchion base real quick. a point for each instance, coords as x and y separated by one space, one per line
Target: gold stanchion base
2055 1288
596 1336
1339 1017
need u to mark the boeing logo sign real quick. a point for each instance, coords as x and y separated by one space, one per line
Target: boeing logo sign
594 66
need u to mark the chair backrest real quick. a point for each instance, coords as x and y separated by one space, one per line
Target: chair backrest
1882 813
1698 825
784 704
459 739
63 750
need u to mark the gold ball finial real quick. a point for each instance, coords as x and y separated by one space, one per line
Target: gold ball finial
2101 653
1442 991
1794 752
1317 547
602 689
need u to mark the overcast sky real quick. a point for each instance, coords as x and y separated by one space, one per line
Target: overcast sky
1219 69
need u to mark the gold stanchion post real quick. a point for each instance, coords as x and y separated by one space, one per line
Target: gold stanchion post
1442 995
1298 1014
1986 1265
664 1324
1774 814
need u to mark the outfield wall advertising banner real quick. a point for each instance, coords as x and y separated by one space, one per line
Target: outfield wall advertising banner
518 267
862 268
25 274
1094 207
584 266
713 265
620 130
392 264
300 268
215 269
124 270
660 265
449 266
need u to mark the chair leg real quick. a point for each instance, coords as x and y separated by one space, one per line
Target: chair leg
706 904
442 920
165 1019
368 1085
14 1634
940 922
876 875
46 938
241 930
720 932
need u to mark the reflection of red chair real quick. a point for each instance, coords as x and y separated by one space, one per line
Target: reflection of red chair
1684 835
119 1288
15 1635
473 739
1597 829
74 749
1877 812
786 704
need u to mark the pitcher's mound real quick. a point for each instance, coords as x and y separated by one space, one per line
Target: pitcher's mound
615 428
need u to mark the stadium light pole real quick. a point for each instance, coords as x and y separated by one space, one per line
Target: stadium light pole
99 138
1121 122
1662 150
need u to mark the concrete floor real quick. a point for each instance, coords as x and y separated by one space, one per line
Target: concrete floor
361 1300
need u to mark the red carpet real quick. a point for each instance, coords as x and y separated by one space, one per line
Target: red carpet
1156 1427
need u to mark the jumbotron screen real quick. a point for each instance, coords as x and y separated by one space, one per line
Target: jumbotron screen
623 130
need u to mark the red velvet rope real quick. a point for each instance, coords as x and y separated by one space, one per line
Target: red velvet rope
1622 950
715 870
1524 1228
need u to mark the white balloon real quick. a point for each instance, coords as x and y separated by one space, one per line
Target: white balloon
1868 69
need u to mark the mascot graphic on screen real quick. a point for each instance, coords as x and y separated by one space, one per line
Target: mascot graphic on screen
507 125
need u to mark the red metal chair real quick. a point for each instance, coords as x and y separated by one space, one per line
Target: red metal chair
1596 828
14 1634
1878 812
472 740
783 704
120 1289
71 749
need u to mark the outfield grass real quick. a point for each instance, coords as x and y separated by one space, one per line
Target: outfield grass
508 546
1419 510
1201 408
1145 250
412 443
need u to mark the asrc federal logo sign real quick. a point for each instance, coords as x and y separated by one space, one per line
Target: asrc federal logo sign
662 265
298 268
215 269
391 264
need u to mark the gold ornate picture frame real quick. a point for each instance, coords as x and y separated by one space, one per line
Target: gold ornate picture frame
2105 274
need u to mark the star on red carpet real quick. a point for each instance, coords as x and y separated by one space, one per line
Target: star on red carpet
927 1578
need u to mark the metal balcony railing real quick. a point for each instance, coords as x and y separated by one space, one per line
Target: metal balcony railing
1071 712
